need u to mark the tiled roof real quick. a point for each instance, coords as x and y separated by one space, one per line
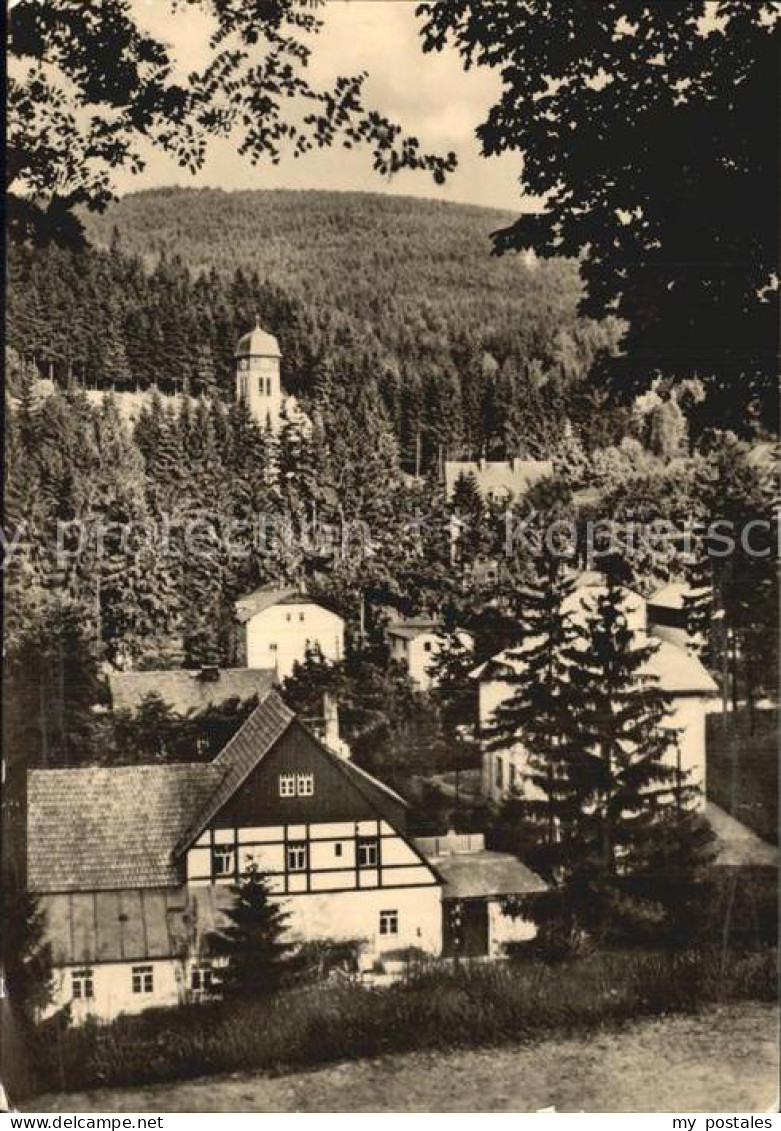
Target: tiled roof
186 691
265 726
475 875
264 598
99 828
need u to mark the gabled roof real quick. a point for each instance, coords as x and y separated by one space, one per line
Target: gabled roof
513 476
411 629
264 598
269 595
186 691
249 745
247 749
101 827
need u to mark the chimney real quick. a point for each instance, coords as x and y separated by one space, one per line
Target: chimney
331 735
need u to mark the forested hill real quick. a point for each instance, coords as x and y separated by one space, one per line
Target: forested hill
306 240
465 350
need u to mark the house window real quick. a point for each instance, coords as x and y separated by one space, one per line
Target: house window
426 645
305 783
222 860
142 979
368 853
499 773
301 617
288 617
296 856
201 979
272 647
82 984
338 849
389 922
513 775
287 785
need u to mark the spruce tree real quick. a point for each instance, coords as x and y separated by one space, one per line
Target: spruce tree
542 813
637 822
454 693
251 943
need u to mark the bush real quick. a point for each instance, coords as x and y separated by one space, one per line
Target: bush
482 1004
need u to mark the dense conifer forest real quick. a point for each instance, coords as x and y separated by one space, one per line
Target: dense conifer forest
465 351
405 342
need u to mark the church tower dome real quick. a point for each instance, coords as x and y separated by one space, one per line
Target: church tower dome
257 358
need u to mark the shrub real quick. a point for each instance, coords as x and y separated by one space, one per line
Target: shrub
480 1004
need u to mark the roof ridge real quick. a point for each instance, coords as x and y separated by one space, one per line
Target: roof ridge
236 774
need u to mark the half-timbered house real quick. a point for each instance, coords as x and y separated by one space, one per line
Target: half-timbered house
133 865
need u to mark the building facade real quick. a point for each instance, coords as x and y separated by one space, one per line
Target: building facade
416 643
134 865
278 627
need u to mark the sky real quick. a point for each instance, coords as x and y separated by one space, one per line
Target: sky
430 95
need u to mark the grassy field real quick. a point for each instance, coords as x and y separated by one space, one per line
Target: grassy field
751 795
723 1059
478 1006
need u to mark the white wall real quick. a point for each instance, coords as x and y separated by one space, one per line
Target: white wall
259 386
113 988
504 929
356 915
687 715
422 652
399 864
292 628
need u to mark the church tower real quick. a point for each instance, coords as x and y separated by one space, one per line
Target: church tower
258 382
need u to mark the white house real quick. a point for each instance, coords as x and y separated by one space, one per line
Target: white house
133 865
278 626
498 480
682 676
416 643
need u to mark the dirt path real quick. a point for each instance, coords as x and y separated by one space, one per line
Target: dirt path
724 1060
